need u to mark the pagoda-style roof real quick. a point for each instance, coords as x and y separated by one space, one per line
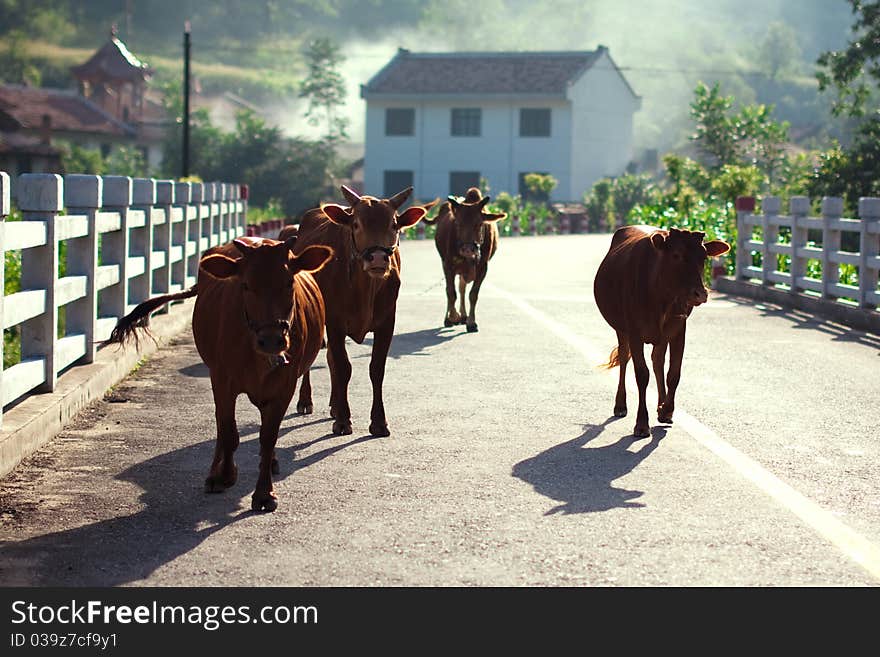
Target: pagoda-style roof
113 62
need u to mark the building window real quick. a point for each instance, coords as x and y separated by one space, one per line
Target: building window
461 181
529 195
534 122
396 181
400 121
466 122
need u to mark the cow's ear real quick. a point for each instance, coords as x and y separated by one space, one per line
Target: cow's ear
219 266
658 240
492 217
453 201
410 217
337 213
716 248
312 258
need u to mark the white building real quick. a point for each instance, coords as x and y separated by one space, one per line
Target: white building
442 121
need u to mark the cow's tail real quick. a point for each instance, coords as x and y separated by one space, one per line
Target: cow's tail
139 318
620 354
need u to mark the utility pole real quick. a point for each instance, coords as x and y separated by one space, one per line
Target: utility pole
186 48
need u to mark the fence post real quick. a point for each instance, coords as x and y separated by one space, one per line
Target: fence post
869 248
143 198
115 245
83 195
223 205
200 230
799 208
4 211
243 194
832 209
40 197
211 223
769 209
744 205
182 196
163 237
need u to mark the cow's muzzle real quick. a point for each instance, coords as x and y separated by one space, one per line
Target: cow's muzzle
271 338
469 250
377 259
698 296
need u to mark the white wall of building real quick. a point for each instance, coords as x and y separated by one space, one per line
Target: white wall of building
590 138
602 126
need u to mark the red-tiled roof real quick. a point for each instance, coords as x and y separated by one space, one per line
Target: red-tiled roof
547 73
26 106
113 61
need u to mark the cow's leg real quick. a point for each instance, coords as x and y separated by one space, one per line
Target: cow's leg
475 293
462 311
658 357
452 315
304 404
622 359
381 343
271 414
637 352
224 472
676 352
340 375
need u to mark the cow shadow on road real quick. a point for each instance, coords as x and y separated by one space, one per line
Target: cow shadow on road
175 517
418 343
581 477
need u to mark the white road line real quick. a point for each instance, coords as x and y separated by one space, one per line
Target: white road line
851 543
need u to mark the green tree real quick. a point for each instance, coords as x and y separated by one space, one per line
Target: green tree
324 87
855 73
855 70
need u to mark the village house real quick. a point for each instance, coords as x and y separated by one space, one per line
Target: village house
109 109
443 121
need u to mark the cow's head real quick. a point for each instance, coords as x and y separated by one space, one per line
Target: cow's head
266 272
375 226
683 259
468 217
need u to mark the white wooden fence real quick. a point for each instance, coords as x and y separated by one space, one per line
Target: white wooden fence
800 250
126 240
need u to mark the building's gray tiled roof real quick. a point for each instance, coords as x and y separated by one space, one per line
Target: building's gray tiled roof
488 73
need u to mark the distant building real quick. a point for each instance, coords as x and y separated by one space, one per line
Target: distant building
442 121
110 109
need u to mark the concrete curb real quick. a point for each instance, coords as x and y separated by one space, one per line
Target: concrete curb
39 418
857 318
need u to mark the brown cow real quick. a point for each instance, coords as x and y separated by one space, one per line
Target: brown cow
360 287
645 288
258 323
466 240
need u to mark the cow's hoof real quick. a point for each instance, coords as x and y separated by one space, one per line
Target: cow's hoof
274 467
448 322
664 416
641 432
304 408
379 429
264 502
472 328
219 483
620 411
341 428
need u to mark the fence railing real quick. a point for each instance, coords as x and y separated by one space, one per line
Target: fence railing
91 248
805 253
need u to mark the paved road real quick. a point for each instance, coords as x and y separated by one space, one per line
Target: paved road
504 466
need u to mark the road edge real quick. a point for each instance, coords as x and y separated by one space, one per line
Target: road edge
37 419
856 318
